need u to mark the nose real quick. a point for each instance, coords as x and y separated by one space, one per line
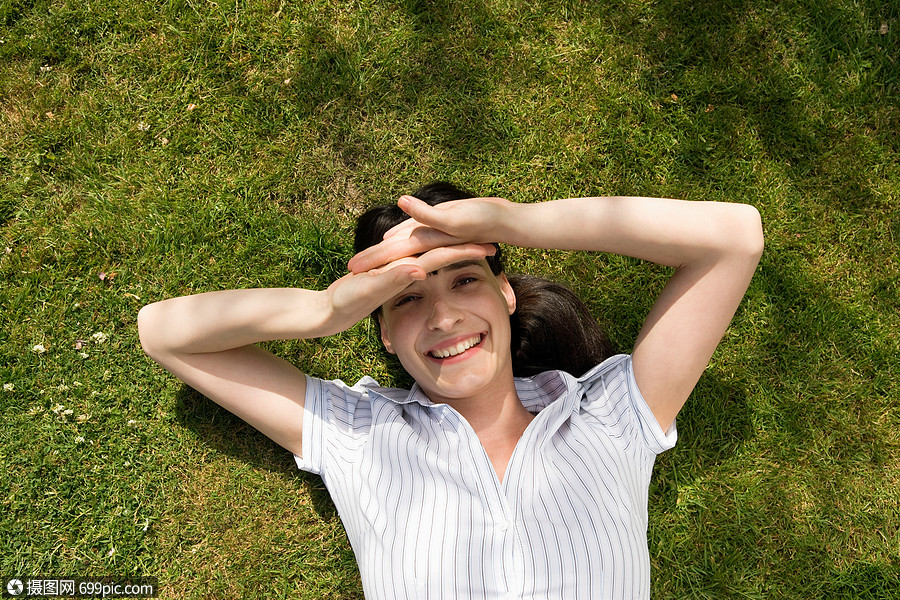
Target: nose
444 316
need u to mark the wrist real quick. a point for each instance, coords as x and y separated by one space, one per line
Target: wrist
517 226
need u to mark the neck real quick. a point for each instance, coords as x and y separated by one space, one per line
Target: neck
495 414
493 410
499 424
494 418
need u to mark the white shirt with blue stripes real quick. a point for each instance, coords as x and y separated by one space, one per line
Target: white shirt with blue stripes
427 516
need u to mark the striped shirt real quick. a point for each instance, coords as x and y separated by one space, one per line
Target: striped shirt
427 517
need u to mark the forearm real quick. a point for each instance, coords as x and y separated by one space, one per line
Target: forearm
669 232
218 321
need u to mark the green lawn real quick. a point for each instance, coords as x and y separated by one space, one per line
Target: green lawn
152 149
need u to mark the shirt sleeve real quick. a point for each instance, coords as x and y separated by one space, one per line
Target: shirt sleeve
333 413
313 425
611 394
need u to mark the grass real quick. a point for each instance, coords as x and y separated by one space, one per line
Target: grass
179 147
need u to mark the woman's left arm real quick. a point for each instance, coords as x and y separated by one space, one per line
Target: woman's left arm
714 248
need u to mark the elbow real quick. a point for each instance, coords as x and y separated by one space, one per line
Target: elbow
745 237
757 238
146 323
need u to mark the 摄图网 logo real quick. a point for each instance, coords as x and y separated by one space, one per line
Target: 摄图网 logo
15 587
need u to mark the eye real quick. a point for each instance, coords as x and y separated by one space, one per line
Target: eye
404 300
465 280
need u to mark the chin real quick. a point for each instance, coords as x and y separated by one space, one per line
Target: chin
469 385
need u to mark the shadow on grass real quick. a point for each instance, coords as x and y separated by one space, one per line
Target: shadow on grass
229 435
437 65
831 366
712 426
824 404
814 81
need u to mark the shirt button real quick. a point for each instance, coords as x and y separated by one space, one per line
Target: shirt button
503 526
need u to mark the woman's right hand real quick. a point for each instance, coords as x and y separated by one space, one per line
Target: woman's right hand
357 294
467 221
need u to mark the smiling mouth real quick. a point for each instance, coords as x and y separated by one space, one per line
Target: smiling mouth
458 348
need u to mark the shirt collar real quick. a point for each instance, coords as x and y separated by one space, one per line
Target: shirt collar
536 393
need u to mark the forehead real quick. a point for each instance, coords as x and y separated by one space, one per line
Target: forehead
463 264
452 268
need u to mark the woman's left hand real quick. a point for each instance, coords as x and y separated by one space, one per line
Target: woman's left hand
478 220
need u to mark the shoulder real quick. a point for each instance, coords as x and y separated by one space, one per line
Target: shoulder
614 366
337 403
611 394
553 387
338 415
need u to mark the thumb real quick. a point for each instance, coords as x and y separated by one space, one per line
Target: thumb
415 208
394 276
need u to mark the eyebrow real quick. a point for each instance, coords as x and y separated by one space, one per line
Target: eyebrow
463 264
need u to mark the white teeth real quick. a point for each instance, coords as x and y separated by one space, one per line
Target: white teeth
458 349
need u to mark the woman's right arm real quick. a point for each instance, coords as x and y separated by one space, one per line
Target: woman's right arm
209 340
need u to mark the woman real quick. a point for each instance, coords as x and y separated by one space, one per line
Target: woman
475 483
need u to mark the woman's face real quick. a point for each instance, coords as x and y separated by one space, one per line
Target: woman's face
451 331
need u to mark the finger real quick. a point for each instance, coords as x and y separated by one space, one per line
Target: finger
404 228
381 254
435 259
410 223
422 215
388 279
438 258
421 211
403 271
356 295
411 204
419 241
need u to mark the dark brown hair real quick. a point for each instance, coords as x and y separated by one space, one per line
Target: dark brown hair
551 327
375 222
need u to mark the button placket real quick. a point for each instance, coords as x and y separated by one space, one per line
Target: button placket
500 511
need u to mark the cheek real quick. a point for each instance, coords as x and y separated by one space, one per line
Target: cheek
396 333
